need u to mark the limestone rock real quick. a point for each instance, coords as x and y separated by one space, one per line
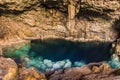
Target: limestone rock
8 69
1 52
69 74
102 72
117 47
17 5
92 21
71 11
31 74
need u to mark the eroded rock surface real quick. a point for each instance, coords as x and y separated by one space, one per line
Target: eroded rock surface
81 20
85 20
8 69
30 74
17 5
102 72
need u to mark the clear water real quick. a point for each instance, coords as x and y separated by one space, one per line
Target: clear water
47 55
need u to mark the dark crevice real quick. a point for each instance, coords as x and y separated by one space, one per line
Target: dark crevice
15 12
54 54
116 27
56 6
89 14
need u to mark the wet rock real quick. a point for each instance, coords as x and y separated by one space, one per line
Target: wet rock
8 69
92 71
69 73
48 63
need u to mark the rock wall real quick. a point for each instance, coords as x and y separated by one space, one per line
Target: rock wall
81 20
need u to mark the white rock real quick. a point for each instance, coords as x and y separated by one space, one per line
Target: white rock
68 64
56 66
48 63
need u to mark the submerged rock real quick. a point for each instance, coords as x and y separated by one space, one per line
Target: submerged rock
68 64
48 63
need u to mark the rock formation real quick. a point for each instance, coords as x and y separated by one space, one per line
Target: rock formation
102 72
77 20
80 20
8 69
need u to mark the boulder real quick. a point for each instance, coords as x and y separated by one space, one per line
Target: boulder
30 74
8 69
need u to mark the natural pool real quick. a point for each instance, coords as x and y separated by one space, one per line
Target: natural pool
52 54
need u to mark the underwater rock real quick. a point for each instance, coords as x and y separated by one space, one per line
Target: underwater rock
56 66
79 63
68 64
48 63
8 69
16 50
114 62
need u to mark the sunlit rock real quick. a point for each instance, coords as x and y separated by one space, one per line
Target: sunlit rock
31 74
8 69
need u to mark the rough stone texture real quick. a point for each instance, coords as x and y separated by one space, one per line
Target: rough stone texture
30 74
86 73
40 19
116 47
17 5
1 51
80 20
8 69
14 32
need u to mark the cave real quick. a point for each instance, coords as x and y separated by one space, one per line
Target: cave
59 51
53 54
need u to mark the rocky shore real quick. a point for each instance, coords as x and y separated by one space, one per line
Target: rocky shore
9 70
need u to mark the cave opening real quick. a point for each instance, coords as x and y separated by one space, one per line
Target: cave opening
60 53
53 54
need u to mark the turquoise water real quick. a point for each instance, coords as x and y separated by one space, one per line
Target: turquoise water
114 62
47 55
